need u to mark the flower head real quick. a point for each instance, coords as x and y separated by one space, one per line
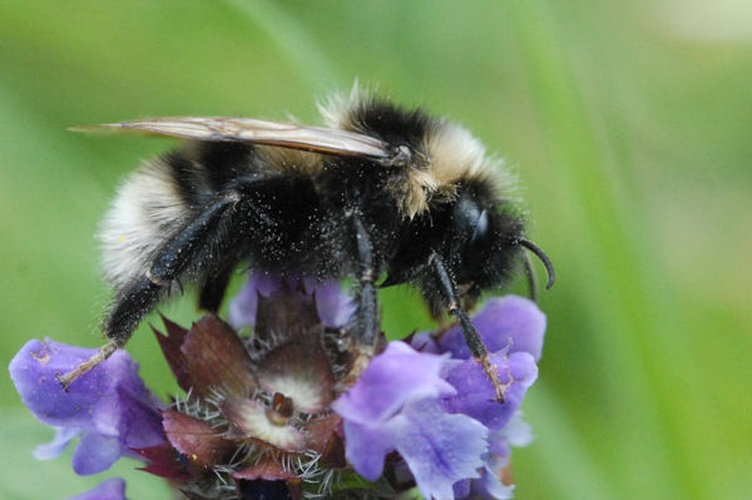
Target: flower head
512 329
292 410
110 409
433 404
256 411
333 307
395 406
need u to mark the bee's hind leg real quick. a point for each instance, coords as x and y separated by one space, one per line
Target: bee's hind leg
187 252
183 253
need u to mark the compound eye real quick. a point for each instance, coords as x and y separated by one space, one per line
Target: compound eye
481 227
470 220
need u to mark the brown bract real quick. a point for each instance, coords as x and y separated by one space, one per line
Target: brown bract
255 408
196 440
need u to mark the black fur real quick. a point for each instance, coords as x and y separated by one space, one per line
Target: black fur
344 221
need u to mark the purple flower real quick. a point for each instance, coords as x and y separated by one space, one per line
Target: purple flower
333 307
492 483
395 406
109 408
475 395
110 489
510 322
437 408
256 413
512 329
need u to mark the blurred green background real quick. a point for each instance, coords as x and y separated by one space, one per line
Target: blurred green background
629 125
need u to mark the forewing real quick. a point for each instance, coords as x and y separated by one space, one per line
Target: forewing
250 130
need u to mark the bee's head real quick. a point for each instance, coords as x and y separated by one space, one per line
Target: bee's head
488 243
483 246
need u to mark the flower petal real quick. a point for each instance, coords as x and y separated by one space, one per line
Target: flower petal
366 447
394 377
489 485
109 406
476 395
63 437
334 307
33 371
517 432
111 489
140 422
394 405
95 453
439 448
511 321
244 306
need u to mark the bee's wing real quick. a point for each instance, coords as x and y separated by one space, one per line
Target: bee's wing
287 135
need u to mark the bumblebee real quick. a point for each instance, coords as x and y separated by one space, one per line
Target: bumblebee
381 195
